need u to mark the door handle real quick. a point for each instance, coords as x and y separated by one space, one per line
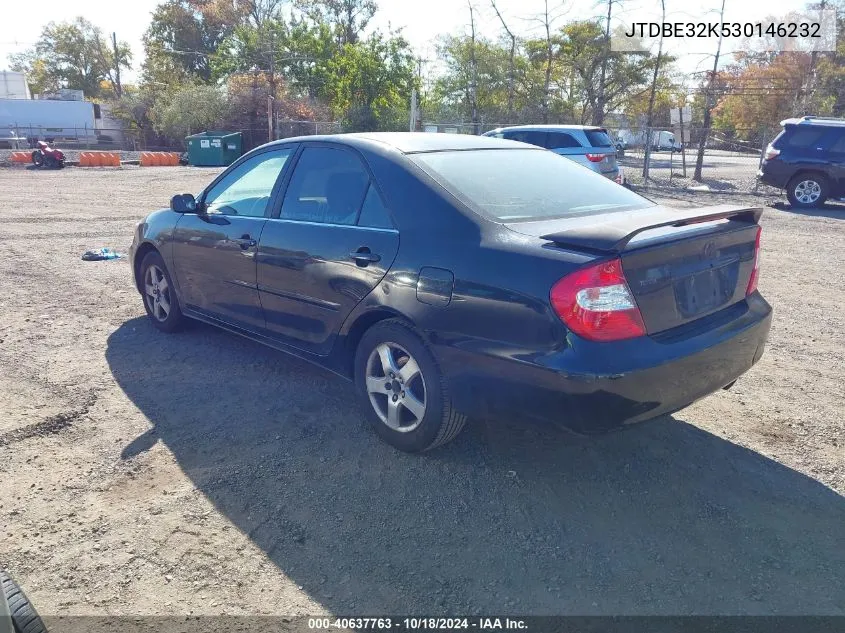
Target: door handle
245 241
363 256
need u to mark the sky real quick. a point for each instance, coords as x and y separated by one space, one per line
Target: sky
421 21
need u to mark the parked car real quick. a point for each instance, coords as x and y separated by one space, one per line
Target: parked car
807 159
454 275
17 615
588 146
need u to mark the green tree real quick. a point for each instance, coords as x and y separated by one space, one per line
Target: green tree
188 110
184 36
369 83
627 75
72 55
453 88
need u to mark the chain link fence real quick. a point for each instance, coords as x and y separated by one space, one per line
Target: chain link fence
24 137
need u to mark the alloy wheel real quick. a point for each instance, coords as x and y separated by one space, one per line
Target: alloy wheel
157 293
396 387
808 191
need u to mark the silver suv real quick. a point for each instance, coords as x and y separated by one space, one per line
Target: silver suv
587 145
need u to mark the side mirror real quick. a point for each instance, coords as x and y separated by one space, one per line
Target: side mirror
183 203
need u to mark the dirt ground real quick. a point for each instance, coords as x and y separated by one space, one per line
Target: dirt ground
200 473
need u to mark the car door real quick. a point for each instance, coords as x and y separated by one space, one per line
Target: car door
532 137
214 249
325 249
835 142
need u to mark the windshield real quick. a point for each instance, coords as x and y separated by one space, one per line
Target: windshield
516 185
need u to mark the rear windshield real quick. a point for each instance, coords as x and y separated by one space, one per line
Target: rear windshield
598 138
514 185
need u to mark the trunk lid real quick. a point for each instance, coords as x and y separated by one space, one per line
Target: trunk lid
688 277
680 264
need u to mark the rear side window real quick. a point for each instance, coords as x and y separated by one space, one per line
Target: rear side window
526 184
802 138
328 185
598 138
561 140
373 213
527 136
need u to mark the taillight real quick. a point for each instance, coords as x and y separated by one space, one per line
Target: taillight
596 303
755 272
771 152
595 158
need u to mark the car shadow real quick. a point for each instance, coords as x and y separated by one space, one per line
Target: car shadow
833 210
511 517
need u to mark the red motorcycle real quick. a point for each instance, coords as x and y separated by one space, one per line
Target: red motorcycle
46 156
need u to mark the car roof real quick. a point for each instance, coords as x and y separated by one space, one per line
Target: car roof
814 121
551 127
410 142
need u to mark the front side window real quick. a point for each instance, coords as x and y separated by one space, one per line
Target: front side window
328 186
532 137
836 140
247 188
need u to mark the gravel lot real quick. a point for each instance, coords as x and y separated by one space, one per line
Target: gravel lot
203 474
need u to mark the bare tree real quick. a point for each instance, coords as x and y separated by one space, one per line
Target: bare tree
259 11
511 64
549 55
650 121
708 105
547 19
807 85
601 101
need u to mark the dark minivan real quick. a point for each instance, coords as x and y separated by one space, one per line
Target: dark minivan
807 159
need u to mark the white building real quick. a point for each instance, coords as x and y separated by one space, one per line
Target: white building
13 85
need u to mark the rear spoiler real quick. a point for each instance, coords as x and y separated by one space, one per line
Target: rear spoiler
613 236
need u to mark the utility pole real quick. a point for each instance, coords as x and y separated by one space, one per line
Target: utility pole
683 141
271 102
412 126
118 89
474 79
270 117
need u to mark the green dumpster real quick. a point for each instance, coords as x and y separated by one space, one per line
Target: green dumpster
214 149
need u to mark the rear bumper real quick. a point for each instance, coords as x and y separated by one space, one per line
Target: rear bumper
594 387
775 173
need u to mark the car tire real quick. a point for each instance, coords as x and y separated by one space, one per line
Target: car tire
807 190
25 618
159 294
401 387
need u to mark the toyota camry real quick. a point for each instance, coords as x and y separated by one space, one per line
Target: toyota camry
452 276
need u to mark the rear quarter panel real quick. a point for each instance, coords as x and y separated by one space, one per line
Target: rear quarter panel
500 296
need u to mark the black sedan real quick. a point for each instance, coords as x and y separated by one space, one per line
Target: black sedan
452 275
